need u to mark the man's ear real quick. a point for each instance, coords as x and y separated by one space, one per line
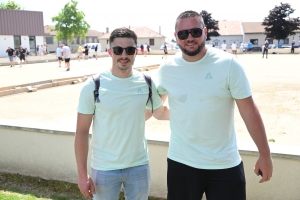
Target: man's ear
109 52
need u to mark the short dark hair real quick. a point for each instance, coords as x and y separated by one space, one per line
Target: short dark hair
189 14
123 33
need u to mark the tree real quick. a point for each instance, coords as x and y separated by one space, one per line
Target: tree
211 24
10 5
278 24
70 23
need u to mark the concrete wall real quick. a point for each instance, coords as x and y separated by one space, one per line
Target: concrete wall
49 154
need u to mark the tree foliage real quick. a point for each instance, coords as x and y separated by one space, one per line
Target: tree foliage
278 24
211 24
70 23
10 5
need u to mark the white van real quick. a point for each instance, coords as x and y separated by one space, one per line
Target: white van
92 46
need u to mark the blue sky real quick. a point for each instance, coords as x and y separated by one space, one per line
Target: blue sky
155 13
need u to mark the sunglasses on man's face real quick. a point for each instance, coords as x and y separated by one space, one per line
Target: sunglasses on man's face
195 32
119 50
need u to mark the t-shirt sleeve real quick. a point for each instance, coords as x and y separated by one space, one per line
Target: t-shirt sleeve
239 85
157 102
159 82
86 103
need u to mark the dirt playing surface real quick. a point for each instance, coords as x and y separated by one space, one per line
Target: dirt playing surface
276 90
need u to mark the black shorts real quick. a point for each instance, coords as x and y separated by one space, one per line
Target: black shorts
60 58
22 57
188 183
67 60
86 53
249 49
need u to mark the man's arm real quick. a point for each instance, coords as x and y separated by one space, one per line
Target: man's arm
81 145
255 126
163 112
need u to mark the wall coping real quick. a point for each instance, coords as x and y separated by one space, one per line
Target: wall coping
246 148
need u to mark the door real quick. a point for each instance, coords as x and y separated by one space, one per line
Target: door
32 45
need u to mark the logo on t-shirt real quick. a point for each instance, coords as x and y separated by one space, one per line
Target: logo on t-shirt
140 91
208 76
182 98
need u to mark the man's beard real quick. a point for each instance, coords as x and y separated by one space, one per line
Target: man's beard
194 53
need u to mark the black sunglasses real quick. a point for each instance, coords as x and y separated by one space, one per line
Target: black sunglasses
195 32
119 50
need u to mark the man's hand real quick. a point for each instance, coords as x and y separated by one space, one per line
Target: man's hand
86 187
264 167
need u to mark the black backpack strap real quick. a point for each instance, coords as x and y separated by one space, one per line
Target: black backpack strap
96 79
148 81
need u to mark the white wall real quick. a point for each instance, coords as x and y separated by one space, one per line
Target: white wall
49 154
5 41
229 40
39 40
25 42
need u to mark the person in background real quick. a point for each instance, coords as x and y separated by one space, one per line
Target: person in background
11 53
293 47
142 49
79 52
59 54
66 54
22 55
148 48
86 52
234 49
119 147
203 85
265 49
165 51
249 49
145 49
37 50
224 46
96 53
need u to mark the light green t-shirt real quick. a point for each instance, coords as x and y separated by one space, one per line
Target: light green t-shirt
118 139
201 99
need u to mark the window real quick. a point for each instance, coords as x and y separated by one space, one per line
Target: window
17 42
254 41
49 40
285 41
151 42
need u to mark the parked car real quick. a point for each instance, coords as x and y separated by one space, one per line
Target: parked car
286 46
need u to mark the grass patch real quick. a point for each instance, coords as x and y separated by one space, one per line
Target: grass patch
19 187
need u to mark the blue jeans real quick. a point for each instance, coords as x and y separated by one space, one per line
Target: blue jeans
135 180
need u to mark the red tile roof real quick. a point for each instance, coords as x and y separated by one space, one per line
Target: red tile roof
141 32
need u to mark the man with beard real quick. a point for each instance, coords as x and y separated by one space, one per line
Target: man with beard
203 84
119 147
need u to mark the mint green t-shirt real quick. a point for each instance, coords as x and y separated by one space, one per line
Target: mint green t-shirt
201 99
118 139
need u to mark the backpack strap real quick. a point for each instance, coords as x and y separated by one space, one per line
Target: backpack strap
148 81
96 79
